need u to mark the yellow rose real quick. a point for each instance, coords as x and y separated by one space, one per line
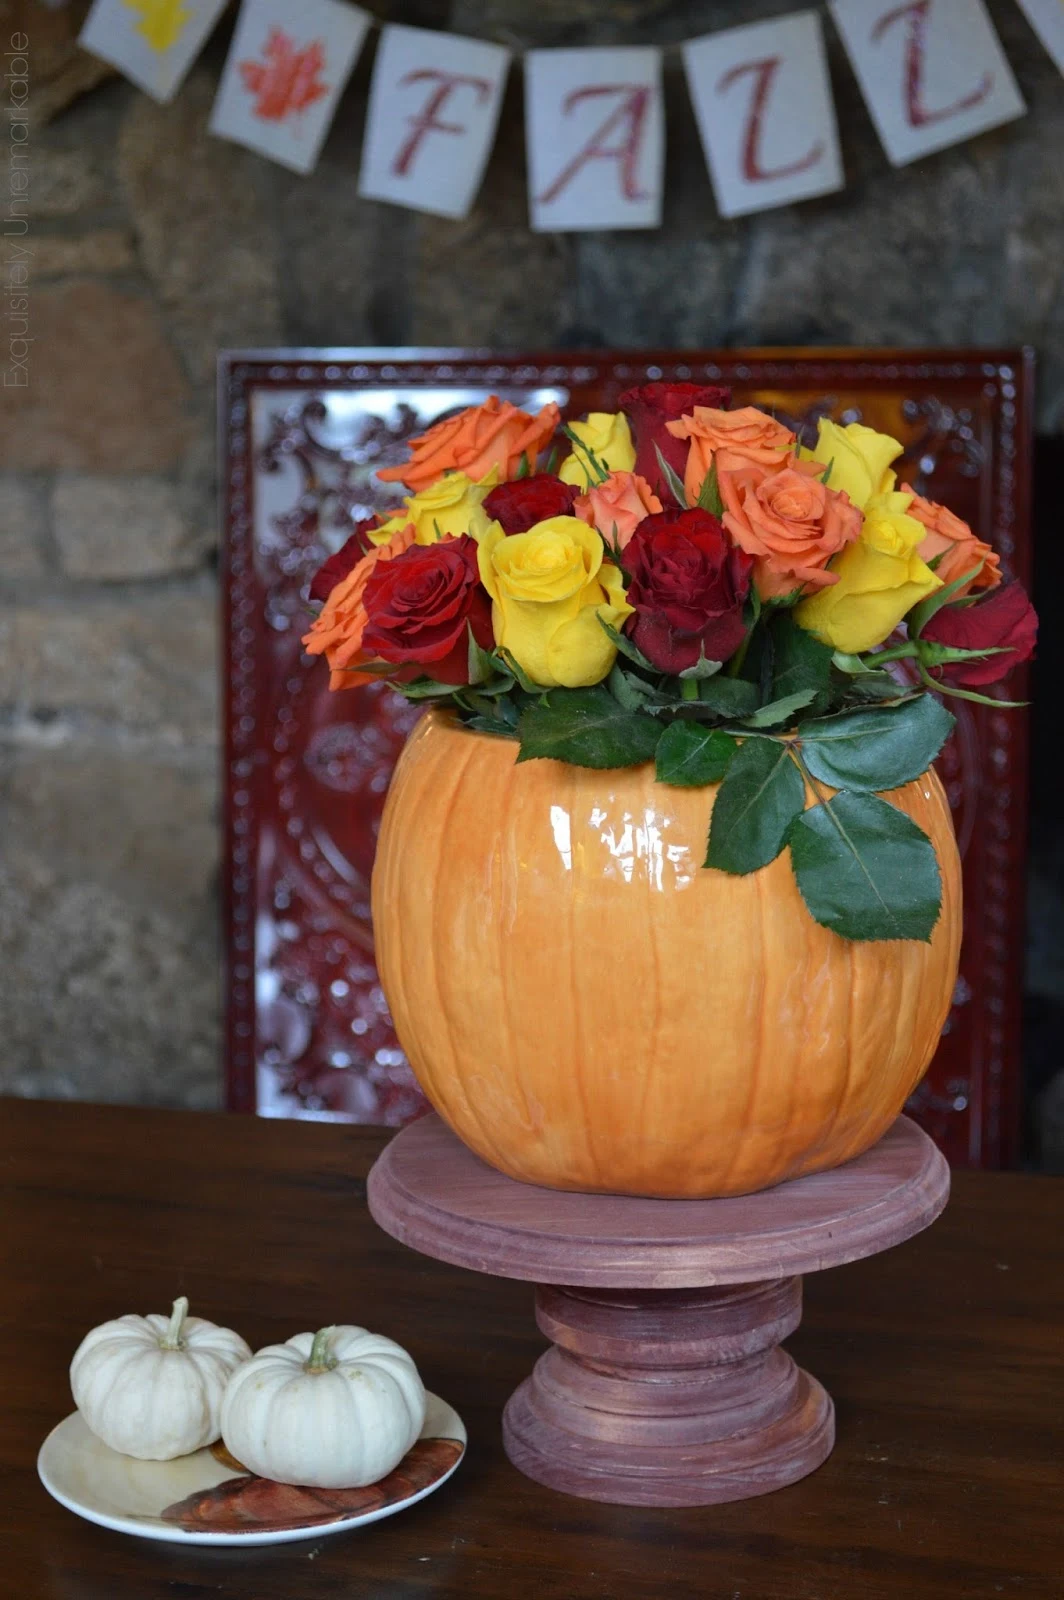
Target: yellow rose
606 433
549 587
449 507
881 578
860 459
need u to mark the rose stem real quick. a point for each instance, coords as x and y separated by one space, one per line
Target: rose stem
320 1359
171 1339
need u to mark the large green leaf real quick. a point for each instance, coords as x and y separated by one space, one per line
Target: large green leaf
760 797
588 728
865 869
728 697
874 750
690 756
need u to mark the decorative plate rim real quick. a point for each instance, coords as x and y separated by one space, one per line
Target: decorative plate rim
447 1424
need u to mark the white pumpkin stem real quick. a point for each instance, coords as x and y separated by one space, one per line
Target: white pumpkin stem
171 1339
320 1360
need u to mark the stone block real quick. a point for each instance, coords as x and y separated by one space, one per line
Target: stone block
107 250
123 527
105 392
66 181
22 524
146 666
102 999
139 822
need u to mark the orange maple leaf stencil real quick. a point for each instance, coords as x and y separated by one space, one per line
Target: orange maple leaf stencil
287 80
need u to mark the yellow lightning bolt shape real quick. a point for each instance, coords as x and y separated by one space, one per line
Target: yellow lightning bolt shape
162 22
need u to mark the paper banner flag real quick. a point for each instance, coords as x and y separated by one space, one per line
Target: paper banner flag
153 42
1047 19
762 97
286 70
433 110
932 71
595 129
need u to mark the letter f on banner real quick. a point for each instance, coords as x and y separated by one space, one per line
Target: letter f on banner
433 110
596 138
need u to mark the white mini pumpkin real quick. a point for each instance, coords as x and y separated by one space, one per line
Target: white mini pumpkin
152 1386
333 1410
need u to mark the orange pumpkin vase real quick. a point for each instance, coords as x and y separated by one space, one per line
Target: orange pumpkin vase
589 1008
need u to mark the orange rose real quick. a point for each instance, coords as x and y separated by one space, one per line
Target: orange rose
337 633
747 437
954 541
495 434
789 521
618 506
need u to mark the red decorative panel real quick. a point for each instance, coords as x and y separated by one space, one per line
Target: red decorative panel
306 771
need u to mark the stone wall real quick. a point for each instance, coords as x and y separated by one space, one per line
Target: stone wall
154 245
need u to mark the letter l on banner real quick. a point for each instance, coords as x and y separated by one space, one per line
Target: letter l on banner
762 97
932 72
433 110
595 129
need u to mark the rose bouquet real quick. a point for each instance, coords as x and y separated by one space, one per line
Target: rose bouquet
687 584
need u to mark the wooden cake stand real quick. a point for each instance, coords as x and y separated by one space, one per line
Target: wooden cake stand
666 1384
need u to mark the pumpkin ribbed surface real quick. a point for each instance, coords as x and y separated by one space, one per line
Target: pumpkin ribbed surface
590 1009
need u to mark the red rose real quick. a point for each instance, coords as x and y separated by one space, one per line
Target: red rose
519 505
1005 620
688 585
648 409
344 561
419 605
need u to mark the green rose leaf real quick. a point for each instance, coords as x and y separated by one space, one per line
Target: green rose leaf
778 711
701 669
629 691
588 728
876 749
799 661
760 797
690 756
425 689
728 697
709 495
865 870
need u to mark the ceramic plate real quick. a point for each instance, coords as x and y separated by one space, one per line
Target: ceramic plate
208 1498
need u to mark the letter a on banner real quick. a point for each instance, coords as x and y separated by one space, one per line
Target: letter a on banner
153 42
595 128
932 71
285 73
433 110
762 97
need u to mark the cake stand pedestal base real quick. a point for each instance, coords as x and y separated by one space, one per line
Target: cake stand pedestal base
666 1383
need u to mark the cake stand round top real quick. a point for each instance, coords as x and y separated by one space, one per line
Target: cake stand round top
432 1193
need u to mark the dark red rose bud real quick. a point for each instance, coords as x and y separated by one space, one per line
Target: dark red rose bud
519 505
346 558
648 409
1005 620
687 585
419 605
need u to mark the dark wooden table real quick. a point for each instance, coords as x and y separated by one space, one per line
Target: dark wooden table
945 1358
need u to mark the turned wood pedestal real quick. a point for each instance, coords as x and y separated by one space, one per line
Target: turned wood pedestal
666 1383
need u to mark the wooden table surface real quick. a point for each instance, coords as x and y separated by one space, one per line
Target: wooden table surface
945 1358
